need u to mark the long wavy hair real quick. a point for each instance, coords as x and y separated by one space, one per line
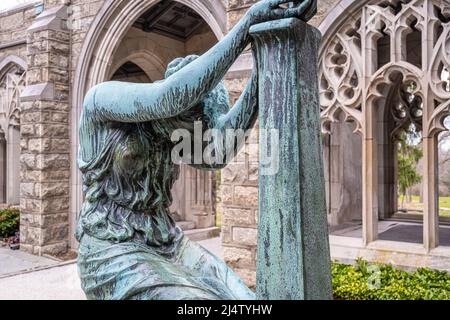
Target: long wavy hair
120 204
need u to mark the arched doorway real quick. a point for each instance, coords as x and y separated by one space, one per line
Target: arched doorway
136 41
12 81
343 180
2 167
382 65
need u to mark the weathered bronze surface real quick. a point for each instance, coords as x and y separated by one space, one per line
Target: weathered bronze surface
293 258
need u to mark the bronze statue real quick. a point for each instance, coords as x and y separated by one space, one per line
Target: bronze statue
130 247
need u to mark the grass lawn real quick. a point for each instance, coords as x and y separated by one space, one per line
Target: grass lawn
415 204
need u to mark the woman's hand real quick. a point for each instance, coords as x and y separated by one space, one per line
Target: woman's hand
268 10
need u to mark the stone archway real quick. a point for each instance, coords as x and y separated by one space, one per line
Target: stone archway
146 60
12 82
11 60
363 43
96 60
109 28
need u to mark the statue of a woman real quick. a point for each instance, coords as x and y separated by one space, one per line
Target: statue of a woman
130 247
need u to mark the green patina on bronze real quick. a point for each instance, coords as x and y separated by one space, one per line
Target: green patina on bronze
130 247
293 257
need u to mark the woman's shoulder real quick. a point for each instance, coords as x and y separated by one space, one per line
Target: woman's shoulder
103 89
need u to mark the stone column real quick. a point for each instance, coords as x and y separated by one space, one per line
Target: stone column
369 143
193 197
430 193
199 201
2 168
370 188
45 136
293 256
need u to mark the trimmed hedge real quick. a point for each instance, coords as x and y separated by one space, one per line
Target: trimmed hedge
383 282
9 222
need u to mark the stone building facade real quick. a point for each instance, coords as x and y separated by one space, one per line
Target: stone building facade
53 51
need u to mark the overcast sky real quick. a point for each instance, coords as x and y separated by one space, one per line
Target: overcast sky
5 4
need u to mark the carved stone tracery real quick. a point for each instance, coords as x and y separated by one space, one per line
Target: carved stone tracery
340 74
410 37
12 82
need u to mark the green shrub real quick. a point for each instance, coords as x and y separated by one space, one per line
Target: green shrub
9 222
383 282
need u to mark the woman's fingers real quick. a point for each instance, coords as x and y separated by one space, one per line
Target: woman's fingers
292 3
300 9
310 12
276 3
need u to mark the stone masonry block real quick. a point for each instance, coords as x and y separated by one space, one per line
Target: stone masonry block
52 161
52 130
238 217
246 196
238 257
245 236
55 233
51 189
54 248
234 173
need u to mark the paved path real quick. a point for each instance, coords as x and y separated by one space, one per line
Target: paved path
57 282
16 261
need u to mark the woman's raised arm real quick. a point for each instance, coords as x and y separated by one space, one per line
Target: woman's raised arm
129 102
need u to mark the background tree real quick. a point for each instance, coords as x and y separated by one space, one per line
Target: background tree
408 157
444 160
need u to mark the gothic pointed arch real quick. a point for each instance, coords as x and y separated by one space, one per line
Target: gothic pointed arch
12 82
365 40
385 65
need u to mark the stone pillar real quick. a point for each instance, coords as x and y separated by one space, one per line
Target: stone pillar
45 158
239 202
293 257
344 178
2 168
430 193
370 187
199 202
193 197
369 143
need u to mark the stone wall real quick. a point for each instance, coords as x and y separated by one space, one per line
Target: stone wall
82 13
13 26
239 185
48 36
